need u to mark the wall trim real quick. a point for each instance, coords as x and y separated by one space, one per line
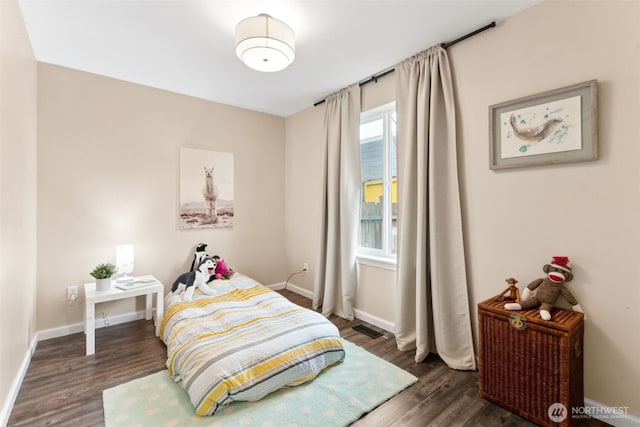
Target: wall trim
75 328
7 407
361 315
293 288
375 321
622 420
609 415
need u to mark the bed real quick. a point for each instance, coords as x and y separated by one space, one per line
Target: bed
243 342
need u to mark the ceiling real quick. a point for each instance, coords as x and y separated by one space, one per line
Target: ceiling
187 46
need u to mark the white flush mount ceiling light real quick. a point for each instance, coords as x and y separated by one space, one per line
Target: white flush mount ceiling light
265 43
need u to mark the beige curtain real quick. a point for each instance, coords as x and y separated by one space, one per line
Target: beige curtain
335 281
432 312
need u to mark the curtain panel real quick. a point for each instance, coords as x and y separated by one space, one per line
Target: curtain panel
432 312
335 282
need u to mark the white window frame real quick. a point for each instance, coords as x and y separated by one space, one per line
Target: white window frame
382 258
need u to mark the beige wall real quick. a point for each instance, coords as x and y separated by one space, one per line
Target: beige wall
108 163
17 198
107 167
516 220
303 166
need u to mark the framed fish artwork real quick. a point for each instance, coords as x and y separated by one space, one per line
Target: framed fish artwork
557 126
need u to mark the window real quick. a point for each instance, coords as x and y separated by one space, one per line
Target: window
378 159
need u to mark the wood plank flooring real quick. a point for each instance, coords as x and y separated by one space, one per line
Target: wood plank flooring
63 387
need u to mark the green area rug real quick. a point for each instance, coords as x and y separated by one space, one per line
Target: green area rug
337 397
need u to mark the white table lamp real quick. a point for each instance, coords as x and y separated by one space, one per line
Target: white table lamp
124 262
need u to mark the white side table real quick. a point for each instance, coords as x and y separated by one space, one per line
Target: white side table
93 297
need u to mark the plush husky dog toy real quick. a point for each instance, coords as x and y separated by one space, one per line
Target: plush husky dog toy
188 282
200 254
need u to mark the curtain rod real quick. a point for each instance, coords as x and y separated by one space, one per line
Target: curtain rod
375 77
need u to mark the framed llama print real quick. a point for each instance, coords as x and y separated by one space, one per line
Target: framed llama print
206 189
558 126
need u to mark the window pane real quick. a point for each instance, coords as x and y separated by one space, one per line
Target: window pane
394 184
372 129
372 173
378 156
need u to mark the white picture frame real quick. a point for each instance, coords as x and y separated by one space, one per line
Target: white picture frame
206 189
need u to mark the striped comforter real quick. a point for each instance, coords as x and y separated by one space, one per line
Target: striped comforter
243 343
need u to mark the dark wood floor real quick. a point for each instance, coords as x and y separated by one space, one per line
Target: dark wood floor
63 387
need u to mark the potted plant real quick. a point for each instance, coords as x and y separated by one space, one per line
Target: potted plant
102 273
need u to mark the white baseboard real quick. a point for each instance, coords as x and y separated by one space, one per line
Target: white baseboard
99 323
375 321
17 383
293 288
361 315
615 416
54 333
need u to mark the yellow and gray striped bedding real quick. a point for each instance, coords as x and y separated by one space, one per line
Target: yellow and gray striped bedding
243 343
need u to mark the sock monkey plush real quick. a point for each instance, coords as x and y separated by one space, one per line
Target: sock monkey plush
548 289
188 282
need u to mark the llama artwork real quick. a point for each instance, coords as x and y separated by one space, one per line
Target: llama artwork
206 189
210 193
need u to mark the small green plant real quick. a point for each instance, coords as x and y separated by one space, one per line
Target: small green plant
104 271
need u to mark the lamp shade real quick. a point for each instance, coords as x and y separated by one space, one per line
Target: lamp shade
264 43
124 258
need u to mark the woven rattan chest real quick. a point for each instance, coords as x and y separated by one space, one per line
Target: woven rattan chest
531 366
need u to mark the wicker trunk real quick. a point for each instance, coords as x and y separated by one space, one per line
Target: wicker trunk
529 365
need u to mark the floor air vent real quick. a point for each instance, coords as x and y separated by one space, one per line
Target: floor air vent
367 331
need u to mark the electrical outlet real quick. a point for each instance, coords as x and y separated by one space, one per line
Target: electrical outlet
305 267
72 293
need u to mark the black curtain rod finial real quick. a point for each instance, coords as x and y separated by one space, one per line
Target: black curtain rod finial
466 36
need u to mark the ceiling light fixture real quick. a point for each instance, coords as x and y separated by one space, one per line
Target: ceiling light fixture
265 43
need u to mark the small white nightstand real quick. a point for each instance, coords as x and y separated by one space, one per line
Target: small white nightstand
93 297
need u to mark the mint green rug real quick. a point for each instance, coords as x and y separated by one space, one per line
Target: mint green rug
337 397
